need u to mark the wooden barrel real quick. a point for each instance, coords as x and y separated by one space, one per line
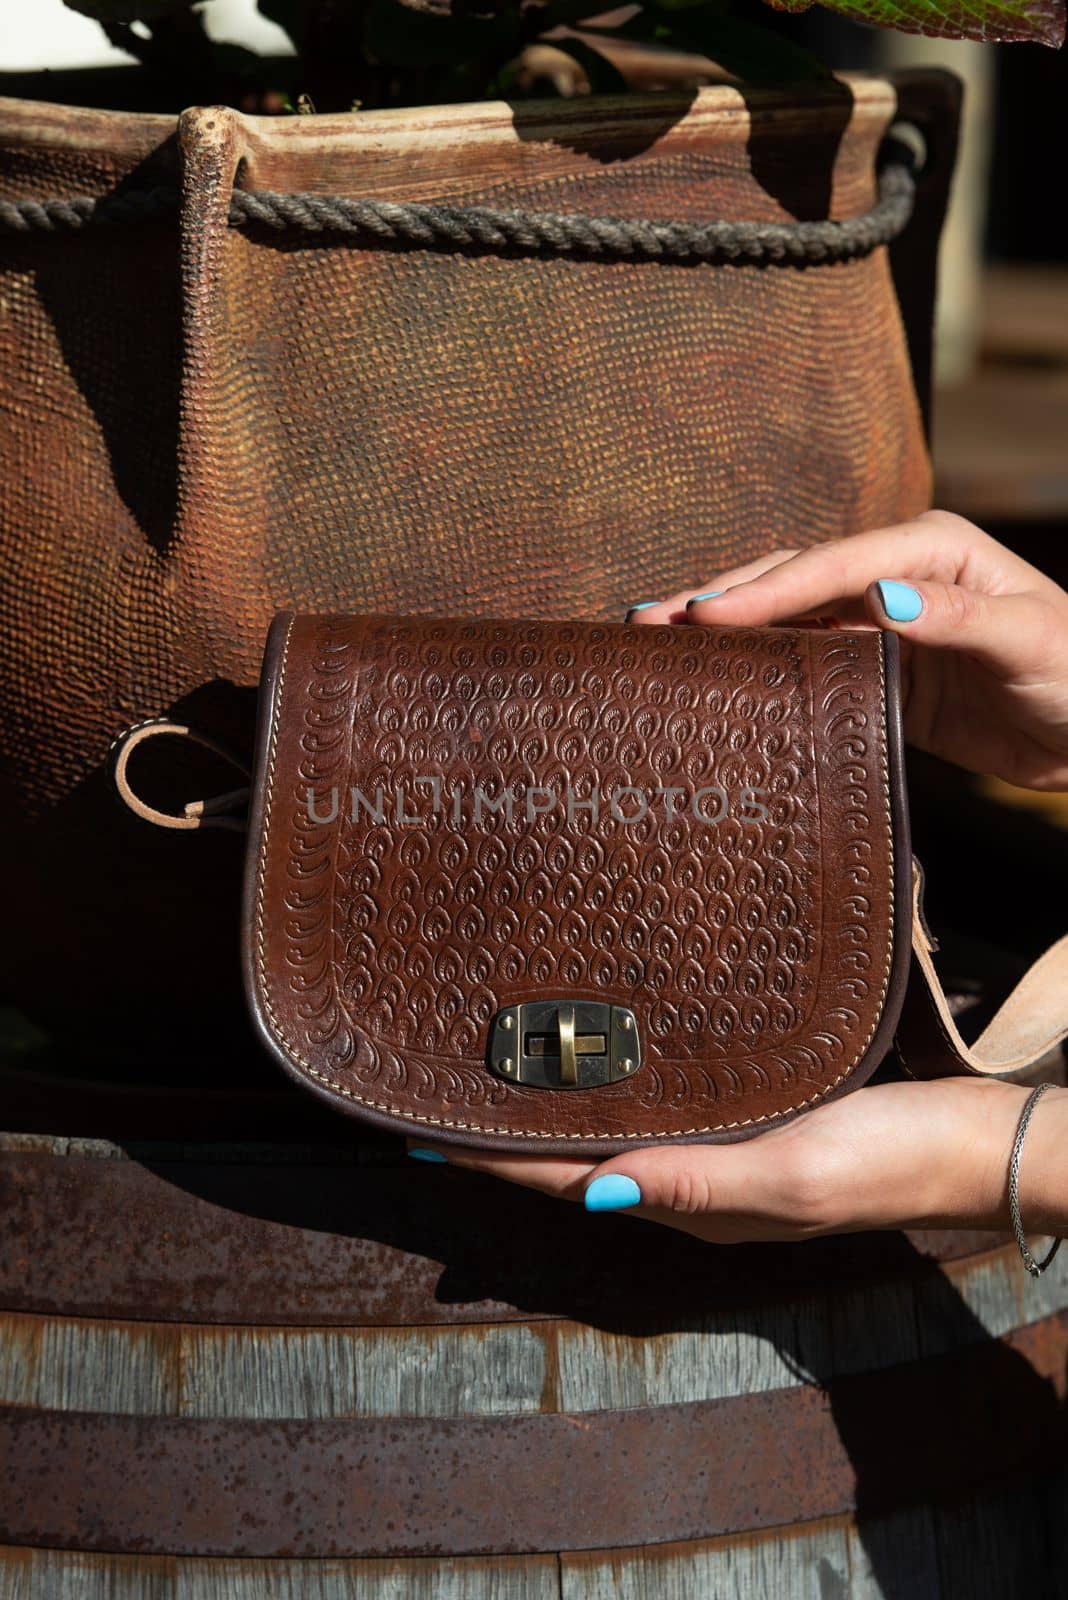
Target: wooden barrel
322 1370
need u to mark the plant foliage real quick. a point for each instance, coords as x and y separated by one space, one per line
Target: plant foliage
379 52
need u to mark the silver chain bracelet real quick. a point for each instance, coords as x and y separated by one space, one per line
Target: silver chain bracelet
1034 1267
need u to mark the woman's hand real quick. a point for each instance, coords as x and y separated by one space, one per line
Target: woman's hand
984 635
985 662
897 1155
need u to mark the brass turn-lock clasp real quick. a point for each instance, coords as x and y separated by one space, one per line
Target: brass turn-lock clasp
564 1044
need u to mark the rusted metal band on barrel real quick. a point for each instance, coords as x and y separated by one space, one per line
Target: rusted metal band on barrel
307 1245
457 1486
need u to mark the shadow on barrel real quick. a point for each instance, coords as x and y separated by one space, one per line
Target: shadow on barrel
759 1392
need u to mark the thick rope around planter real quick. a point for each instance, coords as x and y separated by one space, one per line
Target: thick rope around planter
528 232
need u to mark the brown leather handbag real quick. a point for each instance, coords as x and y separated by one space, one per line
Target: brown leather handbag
561 886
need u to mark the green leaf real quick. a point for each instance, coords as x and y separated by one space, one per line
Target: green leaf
992 21
603 77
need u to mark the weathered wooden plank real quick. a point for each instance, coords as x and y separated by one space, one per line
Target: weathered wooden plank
809 1563
1003 1295
498 1578
65 1364
872 1326
45 1144
74 1575
885 1558
996 1546
881 1325
20 1342
1053 1492
62 1145
894 1558
16 1574
167 1369
255 1372
855 1328
769 1347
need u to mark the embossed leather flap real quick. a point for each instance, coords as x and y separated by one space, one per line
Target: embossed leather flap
675 857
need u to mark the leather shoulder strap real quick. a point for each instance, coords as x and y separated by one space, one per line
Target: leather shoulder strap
210 813
1020 1041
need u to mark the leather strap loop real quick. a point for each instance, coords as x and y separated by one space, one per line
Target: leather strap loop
210 813
1020 1041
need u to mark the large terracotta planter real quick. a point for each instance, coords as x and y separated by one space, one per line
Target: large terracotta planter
204 424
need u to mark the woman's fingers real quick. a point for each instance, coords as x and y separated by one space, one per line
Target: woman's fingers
814 580
764 1188
673 609
552 1175
683 1182
895 1155
988 693
718 1192
899 1154
1018 637
937 546
936 539
722 1193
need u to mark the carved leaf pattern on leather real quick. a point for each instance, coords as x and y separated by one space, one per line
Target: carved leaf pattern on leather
404 938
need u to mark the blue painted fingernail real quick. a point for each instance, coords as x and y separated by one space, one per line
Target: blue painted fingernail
643 605
419 1154
900 602
613 1192
713 594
